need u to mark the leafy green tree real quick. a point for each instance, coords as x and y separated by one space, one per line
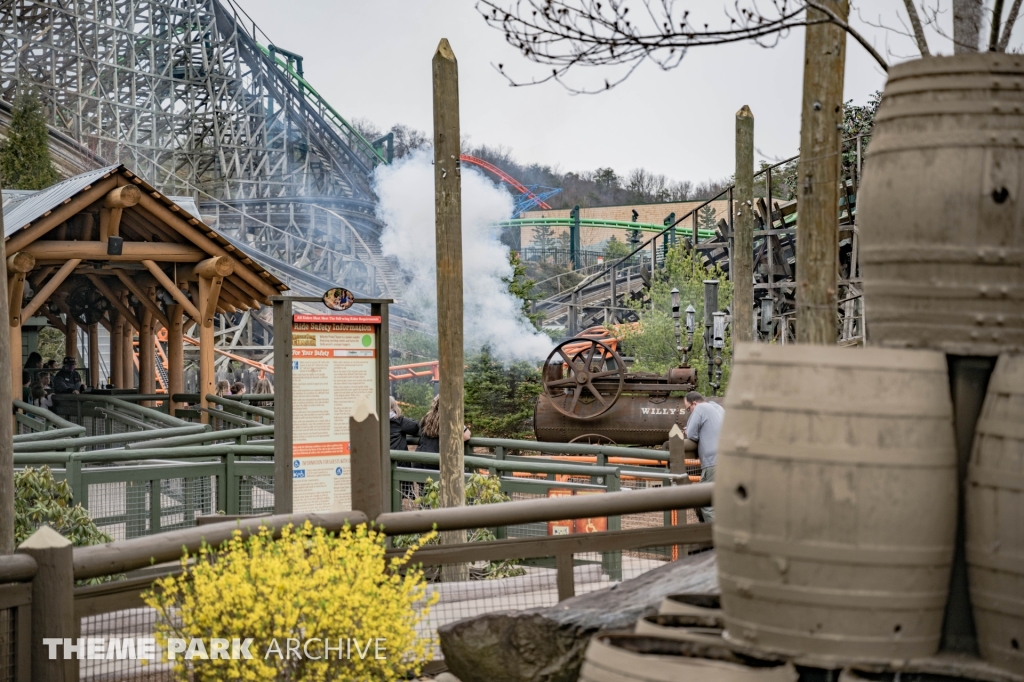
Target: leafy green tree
25 155
415 396
40 499
500 398
652 342
615 249
51 344
521 286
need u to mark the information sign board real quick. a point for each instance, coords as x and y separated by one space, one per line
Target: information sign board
334 367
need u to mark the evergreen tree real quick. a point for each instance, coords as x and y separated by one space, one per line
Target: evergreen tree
543 239
25 155
521 286
706 219
615 249
499 398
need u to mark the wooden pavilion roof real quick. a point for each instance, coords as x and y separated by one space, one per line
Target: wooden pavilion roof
65 230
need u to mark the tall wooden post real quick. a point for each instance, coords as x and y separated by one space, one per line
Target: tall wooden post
448 229
17 266
71 338
175 356
212 272
94 356
741 266
6 425
147 355
817 248
128 355
117 323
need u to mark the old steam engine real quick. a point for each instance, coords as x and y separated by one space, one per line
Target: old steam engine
590 396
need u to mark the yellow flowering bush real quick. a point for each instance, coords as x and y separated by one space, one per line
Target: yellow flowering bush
304 588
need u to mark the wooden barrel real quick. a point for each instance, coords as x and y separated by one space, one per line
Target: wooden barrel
690 628
995 518
940 207
638 658
835 501
691 605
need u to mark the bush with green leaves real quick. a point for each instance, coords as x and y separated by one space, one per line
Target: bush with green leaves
480 489
41 499
500 397
652 343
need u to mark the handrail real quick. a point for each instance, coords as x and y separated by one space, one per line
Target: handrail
109 439
547 509
200 438
127 555
505 465
45 414
251 409
17 568
104 456
569 448
146 412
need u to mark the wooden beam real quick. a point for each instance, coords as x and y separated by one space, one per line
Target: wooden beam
175 356
51 286
218 266
207 373
19 240
71 338
193 234
128 356
56 322
238 294
147 355
131 251
213 287
173 290
94 356
124 196
143 299
114 299
117 323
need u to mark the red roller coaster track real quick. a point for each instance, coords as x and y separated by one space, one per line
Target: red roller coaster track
505 177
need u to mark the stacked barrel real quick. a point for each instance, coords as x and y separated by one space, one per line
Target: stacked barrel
837 490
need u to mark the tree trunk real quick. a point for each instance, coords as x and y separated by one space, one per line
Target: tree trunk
448 217
818 201
967 18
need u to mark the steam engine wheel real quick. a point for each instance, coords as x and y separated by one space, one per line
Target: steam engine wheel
571 371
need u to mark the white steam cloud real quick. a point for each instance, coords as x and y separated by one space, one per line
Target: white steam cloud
491 314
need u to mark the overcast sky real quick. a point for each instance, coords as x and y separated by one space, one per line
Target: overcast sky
371 59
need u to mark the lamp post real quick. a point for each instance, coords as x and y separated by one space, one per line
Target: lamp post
718 344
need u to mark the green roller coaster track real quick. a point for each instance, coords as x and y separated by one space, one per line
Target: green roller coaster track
598 223
355 138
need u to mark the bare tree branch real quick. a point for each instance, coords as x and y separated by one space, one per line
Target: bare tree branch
997 17
563 34
915 21
1008 29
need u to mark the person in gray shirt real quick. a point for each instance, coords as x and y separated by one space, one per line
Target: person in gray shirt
704 426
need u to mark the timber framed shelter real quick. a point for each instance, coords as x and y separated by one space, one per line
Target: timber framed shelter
139 261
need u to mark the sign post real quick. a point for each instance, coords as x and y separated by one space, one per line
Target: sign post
327 365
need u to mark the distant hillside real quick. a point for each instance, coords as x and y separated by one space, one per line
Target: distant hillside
599 187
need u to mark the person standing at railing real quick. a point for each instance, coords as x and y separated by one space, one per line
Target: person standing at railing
430 429
401 426
68 380
704 426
